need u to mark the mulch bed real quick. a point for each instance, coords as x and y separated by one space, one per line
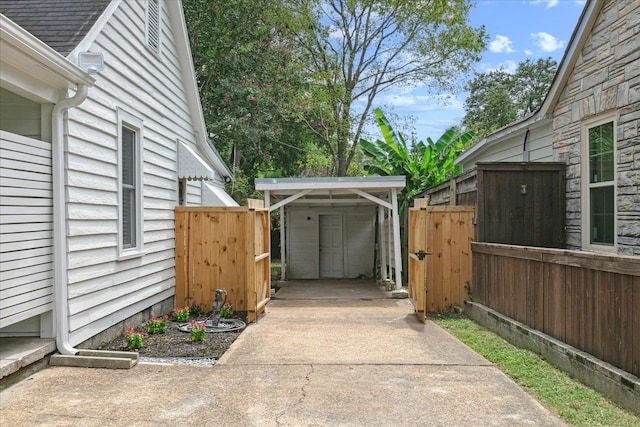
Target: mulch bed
175 343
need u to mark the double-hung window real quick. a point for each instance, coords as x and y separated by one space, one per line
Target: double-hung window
130 182
599 184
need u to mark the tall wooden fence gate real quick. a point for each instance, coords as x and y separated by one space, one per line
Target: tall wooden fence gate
223 248
439 257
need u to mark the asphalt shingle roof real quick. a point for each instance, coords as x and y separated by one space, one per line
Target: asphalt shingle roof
61 24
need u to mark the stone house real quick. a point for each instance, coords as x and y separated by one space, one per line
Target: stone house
589 120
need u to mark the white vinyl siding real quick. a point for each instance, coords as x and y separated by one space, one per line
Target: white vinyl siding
512 148
105 288
26 233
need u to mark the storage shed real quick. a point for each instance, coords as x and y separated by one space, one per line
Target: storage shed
337 227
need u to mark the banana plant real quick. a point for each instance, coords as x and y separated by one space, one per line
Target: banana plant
424 164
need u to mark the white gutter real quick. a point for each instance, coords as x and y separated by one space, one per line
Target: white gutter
60 274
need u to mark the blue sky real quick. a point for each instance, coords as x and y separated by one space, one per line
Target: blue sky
517 29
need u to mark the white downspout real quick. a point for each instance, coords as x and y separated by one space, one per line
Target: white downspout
61 309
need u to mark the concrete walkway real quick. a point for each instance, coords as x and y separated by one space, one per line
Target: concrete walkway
324 354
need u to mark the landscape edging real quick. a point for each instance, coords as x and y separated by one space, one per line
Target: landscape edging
618 385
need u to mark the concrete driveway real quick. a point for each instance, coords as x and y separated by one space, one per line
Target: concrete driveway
325 354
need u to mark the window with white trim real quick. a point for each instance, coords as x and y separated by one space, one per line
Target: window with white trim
599 198
130 182
153 25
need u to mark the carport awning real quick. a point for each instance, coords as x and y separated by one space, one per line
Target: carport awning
330 191
343 191
215 196
192 166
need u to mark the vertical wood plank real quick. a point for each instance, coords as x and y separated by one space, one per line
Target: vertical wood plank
538 277
417 269
590 311
466 259
435 238
554 318
625 323
598 316
574 310
181 233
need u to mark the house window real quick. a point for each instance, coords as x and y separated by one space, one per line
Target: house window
599 208
130 182
153 25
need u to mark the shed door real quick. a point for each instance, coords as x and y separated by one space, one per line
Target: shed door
331 248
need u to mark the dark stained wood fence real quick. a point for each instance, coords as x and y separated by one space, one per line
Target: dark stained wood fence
458 191
590 301
521 204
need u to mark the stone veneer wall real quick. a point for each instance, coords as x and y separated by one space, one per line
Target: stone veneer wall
605 79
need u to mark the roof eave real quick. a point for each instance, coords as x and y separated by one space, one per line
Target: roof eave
377 182
578 39
532 122
14 36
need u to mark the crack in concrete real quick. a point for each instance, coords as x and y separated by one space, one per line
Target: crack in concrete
303 395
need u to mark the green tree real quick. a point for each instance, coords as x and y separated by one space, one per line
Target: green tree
354 49
498 98
250 87
424 164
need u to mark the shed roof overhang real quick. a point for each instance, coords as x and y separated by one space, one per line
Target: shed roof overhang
330 191
191 166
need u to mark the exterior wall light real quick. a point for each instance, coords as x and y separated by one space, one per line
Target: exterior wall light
91 62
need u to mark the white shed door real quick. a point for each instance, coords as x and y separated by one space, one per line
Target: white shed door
331 247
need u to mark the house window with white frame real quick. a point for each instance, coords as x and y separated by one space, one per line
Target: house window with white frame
599 207
153 25
130 182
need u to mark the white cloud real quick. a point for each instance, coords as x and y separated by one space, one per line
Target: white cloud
547 42
415 103
509 66
501 44
528 52
549 3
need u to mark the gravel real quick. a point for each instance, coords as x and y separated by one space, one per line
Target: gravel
197 361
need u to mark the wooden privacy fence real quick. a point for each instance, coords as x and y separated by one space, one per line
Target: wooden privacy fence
226 248
589 301
439 256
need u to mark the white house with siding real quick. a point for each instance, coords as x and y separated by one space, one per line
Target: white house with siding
93 163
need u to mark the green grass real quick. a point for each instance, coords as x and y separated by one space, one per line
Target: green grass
574 402
275 270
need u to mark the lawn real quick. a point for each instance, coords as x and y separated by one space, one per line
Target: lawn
574 402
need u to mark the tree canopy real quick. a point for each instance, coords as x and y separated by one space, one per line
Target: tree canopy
352 50
498 98
250 87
